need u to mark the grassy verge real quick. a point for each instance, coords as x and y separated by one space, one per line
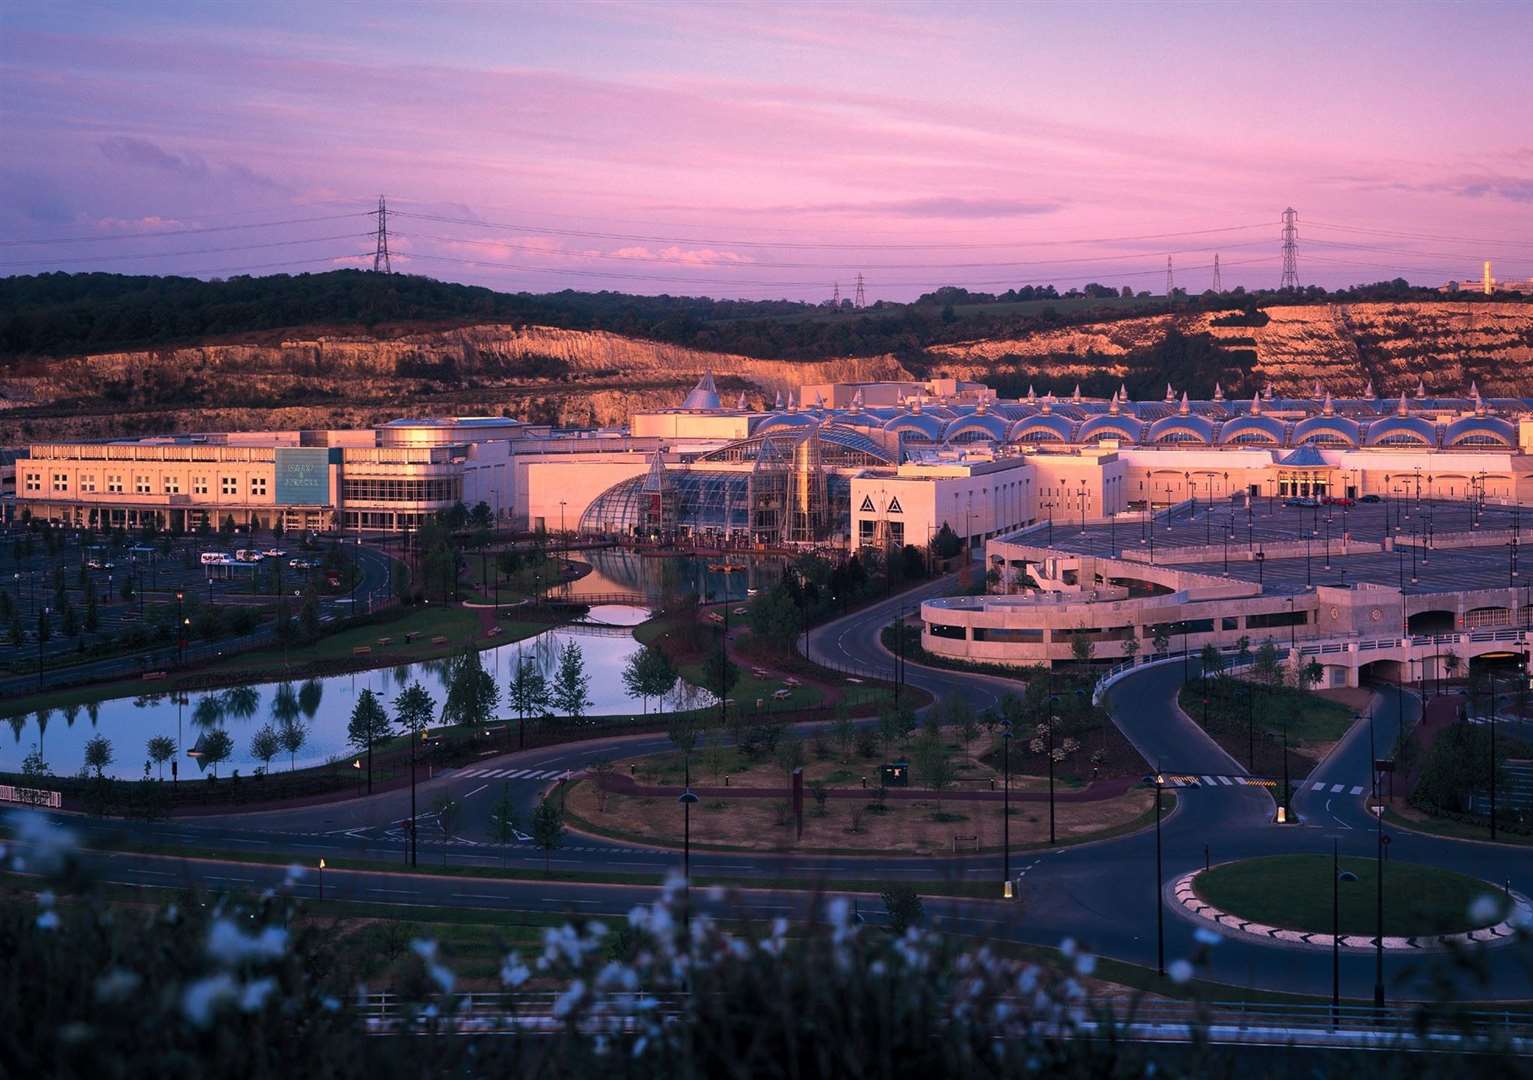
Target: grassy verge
1143 820
1455 830
1295 892
1233 714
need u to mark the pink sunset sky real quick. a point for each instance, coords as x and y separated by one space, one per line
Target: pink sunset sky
770 150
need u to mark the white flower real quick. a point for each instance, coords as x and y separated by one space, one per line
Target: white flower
1085 964
201 998
116 985
1482 912
1206 936
295 872
51 844
616 976
48 920
442 976
330 1004
1027 980
45 898
1180 971
424 948
1067 946
231 946
513 972
254 995
567 1001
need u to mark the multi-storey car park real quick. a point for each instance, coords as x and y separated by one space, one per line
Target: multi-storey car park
1109 520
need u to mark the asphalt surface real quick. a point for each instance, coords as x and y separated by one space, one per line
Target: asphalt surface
1104 894
373 582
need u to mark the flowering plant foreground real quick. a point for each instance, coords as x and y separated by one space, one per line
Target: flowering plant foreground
255 986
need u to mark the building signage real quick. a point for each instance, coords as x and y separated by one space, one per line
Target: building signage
52 800
303 476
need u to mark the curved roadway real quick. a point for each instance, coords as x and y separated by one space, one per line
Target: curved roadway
1104 893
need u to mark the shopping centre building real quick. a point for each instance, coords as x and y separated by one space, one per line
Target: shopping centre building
1058 495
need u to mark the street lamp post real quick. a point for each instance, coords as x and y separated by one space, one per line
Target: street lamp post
1337 877
321 878
1006 806
1378 940
1492 757
1160 913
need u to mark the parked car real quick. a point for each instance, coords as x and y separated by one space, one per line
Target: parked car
274 553
300 564
1369 499
214 558
1302 503
98 564
1338 500
248 555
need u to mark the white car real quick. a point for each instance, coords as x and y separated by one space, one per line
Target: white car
275 553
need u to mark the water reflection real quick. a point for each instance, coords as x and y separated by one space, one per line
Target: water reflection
321 708
662 577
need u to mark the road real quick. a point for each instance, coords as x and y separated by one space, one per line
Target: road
1105 894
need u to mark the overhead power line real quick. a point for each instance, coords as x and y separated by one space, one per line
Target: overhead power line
590 234
181 232
848 265
200 251
1416 235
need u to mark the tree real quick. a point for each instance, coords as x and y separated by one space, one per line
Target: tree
528 689
648 674
292 734
308 615
1267 667
789 755
369 722
775 618
1160 639
716 754
503 820
548 829
844 731
1082 649
264 745
161 749
471 693
571 683
414 709
33 764
98 754
932 764
1211 663
217 745
1311 675
481 516
904 907
1130 647
720 674
683 733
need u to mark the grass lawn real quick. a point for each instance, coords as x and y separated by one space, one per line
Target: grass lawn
1294 892
1314 723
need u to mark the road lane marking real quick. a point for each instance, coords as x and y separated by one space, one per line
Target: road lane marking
1336 788
1209 780
1225 780
1318 785
1357 789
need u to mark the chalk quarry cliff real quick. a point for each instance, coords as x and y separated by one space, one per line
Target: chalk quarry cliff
584 377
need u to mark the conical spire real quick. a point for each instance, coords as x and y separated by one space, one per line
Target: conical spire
1218 392
1077 395
857 401
819 400
740 402
1032 395
705 395
655 480
1256 403
1421 389
792 402
1184 408
915 406
1404 409
1112 406
1318 394
1123 393
1368 393
1329 408
777 403
982 408
1474 389
1170 394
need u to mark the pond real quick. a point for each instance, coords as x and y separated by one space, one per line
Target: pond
658 577
324 704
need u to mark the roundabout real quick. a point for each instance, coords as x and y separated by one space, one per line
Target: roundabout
1307 899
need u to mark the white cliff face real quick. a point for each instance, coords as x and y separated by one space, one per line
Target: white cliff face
1342 346
537 372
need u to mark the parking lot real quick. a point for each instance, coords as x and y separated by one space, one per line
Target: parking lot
1243 531
136 582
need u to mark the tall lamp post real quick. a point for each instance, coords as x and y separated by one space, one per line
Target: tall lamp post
1160 913
1492 756
1337 877
1378 940
1006 807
